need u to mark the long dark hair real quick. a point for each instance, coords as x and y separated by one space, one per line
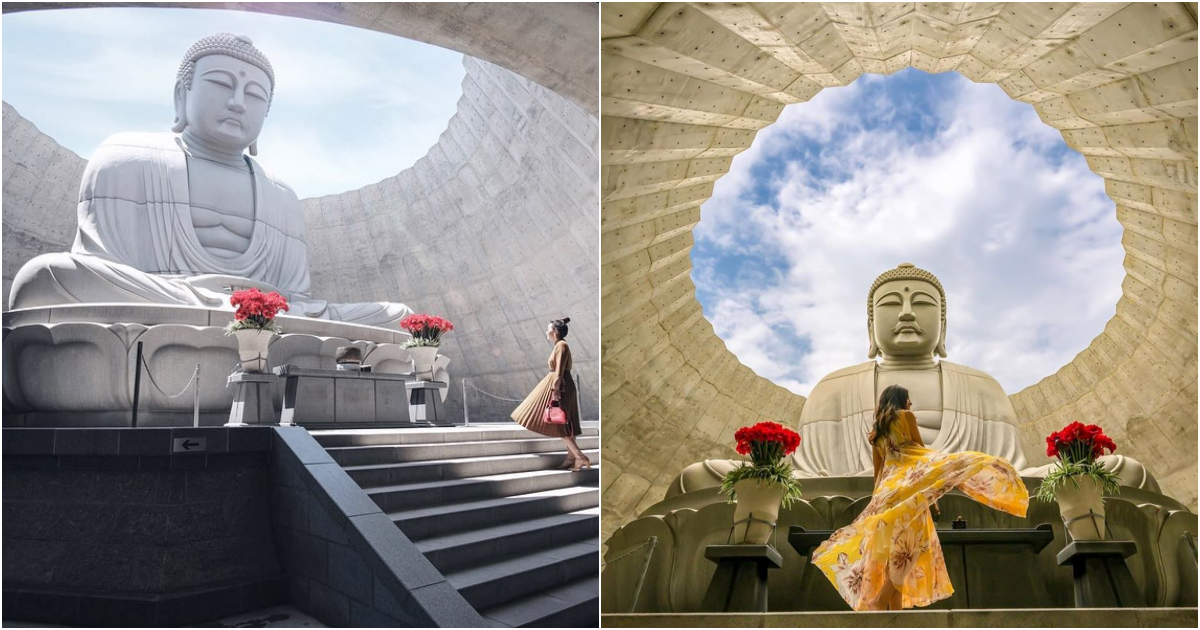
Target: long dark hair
892 401
560 326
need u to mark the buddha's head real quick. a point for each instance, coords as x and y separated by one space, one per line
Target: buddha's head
223 91
906 313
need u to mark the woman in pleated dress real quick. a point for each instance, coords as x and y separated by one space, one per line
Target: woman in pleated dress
556 388
890 558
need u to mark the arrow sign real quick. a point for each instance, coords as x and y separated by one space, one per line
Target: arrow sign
190 445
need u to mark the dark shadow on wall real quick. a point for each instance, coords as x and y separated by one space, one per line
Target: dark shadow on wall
111 527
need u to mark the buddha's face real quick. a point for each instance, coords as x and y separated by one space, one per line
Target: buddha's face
908 318
227 103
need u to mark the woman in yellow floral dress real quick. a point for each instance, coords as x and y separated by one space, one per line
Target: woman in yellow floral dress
889 558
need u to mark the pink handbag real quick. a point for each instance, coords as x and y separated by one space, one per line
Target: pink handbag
554 413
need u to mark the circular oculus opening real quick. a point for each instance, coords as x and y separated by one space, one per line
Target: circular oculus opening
951 175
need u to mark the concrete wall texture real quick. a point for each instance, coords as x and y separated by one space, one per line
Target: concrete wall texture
684 88
494 229
41 190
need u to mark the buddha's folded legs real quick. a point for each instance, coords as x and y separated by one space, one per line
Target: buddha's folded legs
55 279
381 314
62 278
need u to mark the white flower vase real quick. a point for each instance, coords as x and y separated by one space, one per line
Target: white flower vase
423 358
757 510
1081 504
252 348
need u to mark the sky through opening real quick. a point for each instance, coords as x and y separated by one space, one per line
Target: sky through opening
951 175
352 106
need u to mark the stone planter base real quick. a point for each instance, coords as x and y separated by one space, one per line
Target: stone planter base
757 511
1082 508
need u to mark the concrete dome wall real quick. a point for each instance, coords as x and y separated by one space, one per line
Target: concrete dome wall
495 229
41 190
684 88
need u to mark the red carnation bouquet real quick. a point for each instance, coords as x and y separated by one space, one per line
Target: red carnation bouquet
426 330
1077 447
256 310
767 444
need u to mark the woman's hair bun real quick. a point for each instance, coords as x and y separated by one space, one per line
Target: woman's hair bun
566 320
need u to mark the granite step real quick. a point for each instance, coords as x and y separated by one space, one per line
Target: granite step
573 605
465 549
398 453
332 438
427 522
375 475
505 581
442 491
491 510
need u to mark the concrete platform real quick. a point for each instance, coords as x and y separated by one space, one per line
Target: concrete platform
1009 618
273 617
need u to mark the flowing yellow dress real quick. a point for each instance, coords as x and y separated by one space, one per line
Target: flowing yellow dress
894 537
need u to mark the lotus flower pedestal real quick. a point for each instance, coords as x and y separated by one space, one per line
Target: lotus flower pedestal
76 365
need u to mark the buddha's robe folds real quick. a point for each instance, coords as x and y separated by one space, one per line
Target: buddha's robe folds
840 412
976 416
136 242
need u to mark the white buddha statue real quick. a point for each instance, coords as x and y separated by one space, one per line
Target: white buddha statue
185 219
958 408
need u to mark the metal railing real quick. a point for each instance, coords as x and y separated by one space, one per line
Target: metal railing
467 406
652 543
193 384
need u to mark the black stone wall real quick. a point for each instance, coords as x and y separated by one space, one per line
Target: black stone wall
109 527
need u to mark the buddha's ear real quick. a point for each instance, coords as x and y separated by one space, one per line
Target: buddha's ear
872 351
941 347
180 108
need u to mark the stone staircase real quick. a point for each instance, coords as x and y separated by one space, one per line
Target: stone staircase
487 505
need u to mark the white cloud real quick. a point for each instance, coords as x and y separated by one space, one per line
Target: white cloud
1025 242
351 107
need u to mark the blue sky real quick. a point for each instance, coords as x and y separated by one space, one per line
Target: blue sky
953 176
352 106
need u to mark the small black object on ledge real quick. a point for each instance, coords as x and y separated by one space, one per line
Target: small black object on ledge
958 523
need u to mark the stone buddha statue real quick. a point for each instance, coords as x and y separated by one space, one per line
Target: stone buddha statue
185 219
958 408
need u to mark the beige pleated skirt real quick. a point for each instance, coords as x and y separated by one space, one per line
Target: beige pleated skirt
531 410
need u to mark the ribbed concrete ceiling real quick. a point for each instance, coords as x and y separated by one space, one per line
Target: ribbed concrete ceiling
685 87
553 44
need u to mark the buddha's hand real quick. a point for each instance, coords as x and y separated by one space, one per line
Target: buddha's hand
221 283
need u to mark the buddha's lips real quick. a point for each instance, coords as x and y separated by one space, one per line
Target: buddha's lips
909 328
